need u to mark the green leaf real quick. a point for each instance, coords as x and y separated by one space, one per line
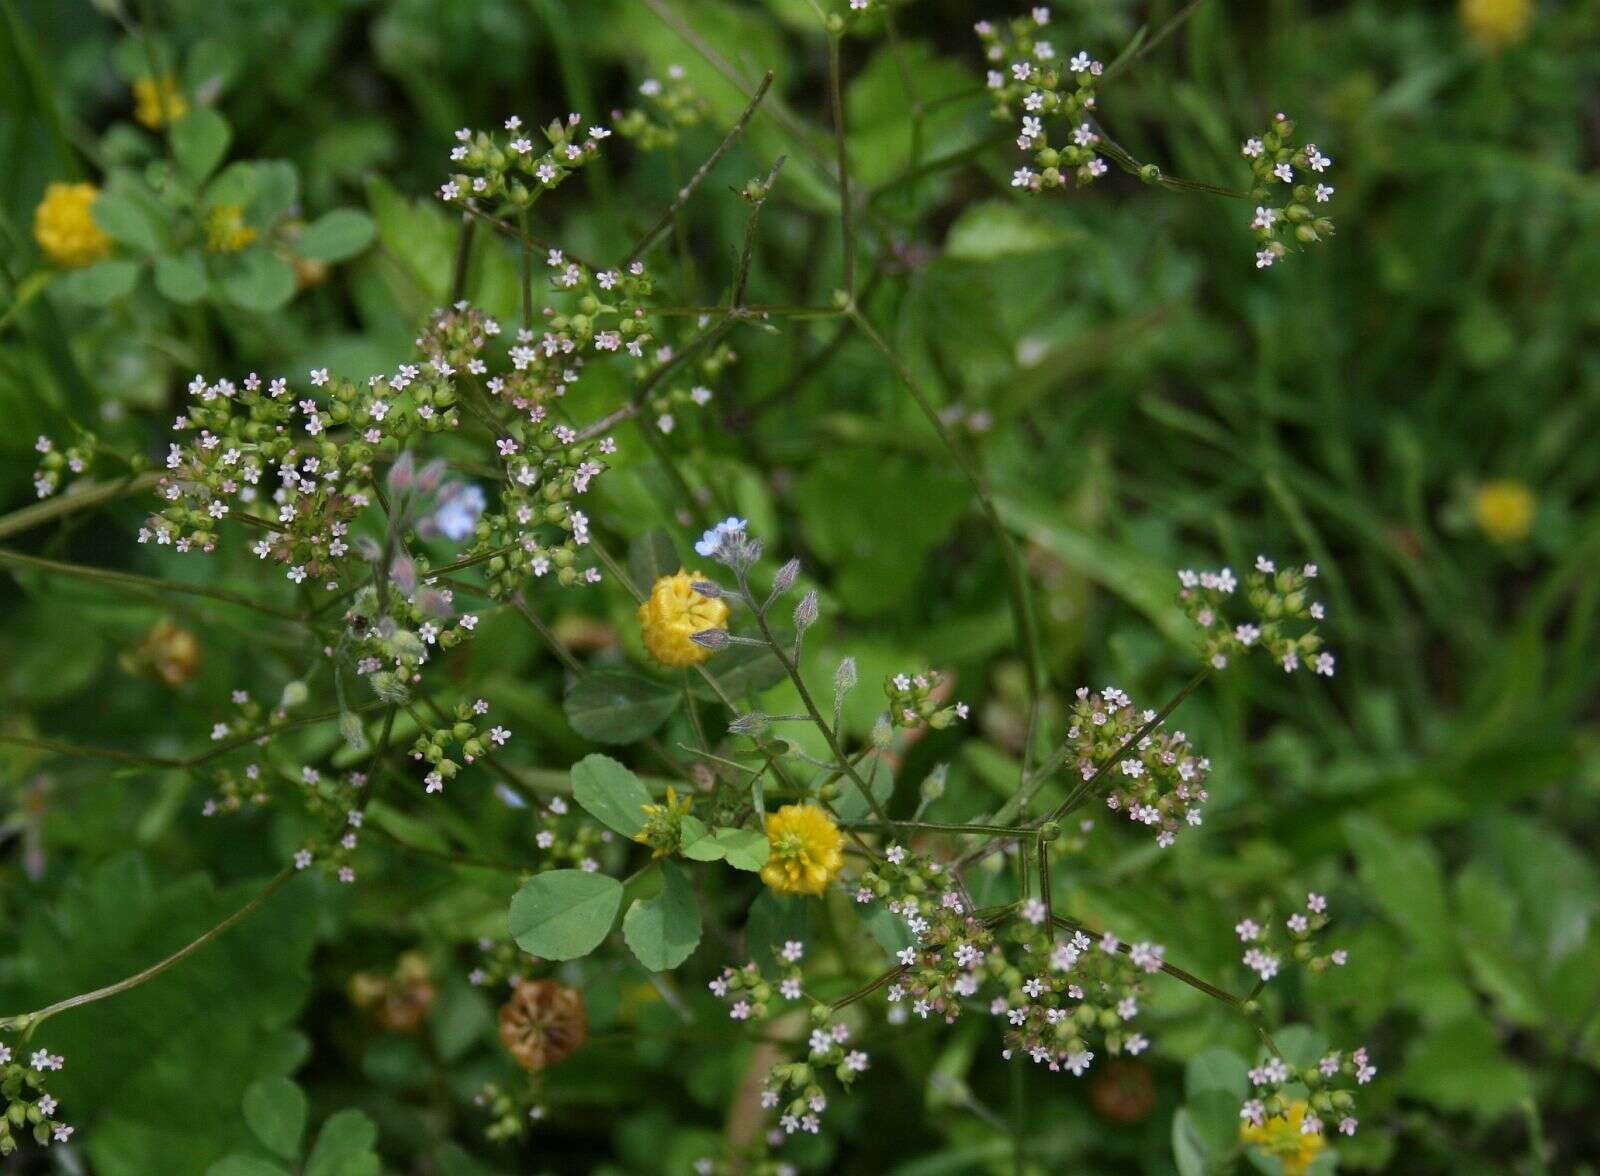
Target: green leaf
743 670
1214 1115
609 706
344 1147
237 183
1188 1148
100 284
852 805
337 235
610 793
1217 1068
244 1165
994 229
698 844
126 221
664 931
199 141
181 278
564 914
744 849
275 1109
229 1017
277 188
1403 878
259 280
651 556
1459 1067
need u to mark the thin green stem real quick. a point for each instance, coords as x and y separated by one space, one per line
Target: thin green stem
146 583
28 1022
811 707
82 496
846 228
688 190
1021 602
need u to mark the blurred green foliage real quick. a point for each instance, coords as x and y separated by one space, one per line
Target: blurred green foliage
1142 398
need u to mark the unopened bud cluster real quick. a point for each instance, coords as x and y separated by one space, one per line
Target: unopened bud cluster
1281 616
916 700
30 1110
58 463
1159 782
465 736
1028 77
669 108
1288 191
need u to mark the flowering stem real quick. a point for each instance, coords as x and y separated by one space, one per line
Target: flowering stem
83 496
698 178
227 745
774 109
935 827
148 583
1128 163
79 751
28 1022
811 707
1021 606
525 262
1172 970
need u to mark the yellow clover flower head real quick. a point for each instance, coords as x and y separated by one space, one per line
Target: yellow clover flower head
1496 24
157 102
673 613
663 824
1283 1137
805 850
65 229
227 230
1503 510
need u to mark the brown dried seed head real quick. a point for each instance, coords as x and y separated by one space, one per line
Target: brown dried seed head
543 1023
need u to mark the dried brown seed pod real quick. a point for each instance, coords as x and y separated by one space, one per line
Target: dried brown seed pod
543 1023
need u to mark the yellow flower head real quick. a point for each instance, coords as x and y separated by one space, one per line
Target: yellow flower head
804 853
1503 510
663 824
1281 1136
673 613
64 228
158 102
1496 24
226 229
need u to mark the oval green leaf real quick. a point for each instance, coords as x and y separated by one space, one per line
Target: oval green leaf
564 914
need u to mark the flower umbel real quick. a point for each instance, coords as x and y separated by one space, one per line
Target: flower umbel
805 850
673 613
65 229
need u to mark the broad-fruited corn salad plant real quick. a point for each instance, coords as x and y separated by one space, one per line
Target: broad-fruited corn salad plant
740 830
